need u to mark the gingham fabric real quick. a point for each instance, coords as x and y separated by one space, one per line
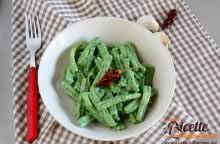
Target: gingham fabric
195 55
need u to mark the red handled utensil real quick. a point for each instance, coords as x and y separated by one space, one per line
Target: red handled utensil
33 42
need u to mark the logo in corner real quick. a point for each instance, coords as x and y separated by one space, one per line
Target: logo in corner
175 128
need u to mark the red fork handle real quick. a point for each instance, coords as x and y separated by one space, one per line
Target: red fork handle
32 105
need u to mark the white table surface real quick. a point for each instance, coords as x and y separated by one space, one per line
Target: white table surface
206 10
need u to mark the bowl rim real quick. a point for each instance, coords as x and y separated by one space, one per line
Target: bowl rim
99 138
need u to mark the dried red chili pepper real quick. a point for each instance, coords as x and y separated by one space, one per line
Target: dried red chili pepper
109 77
169 19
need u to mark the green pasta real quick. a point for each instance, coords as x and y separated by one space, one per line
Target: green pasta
120 126
89 78
143 104
123 51
85 120
115 89
99 63
116 58
86 58
132 118
83 85
105 67
120 107
132 106
79 108
117 99
89 106
108 119
103 114
114 112
73 51
69 78
129 97
132 54
149 74
132 84
126 63
102 49
122 82
70 91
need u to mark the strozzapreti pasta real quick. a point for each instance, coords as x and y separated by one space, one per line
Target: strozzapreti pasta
126 98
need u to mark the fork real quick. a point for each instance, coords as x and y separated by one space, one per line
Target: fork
33 42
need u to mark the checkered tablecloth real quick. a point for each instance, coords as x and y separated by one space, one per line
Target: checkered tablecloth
196 58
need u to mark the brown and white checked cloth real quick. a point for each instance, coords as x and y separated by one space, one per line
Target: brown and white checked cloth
196 58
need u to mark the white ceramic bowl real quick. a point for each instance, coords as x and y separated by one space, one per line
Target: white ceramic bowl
55 58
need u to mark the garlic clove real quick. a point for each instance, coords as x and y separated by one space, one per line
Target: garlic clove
163 37
149 22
